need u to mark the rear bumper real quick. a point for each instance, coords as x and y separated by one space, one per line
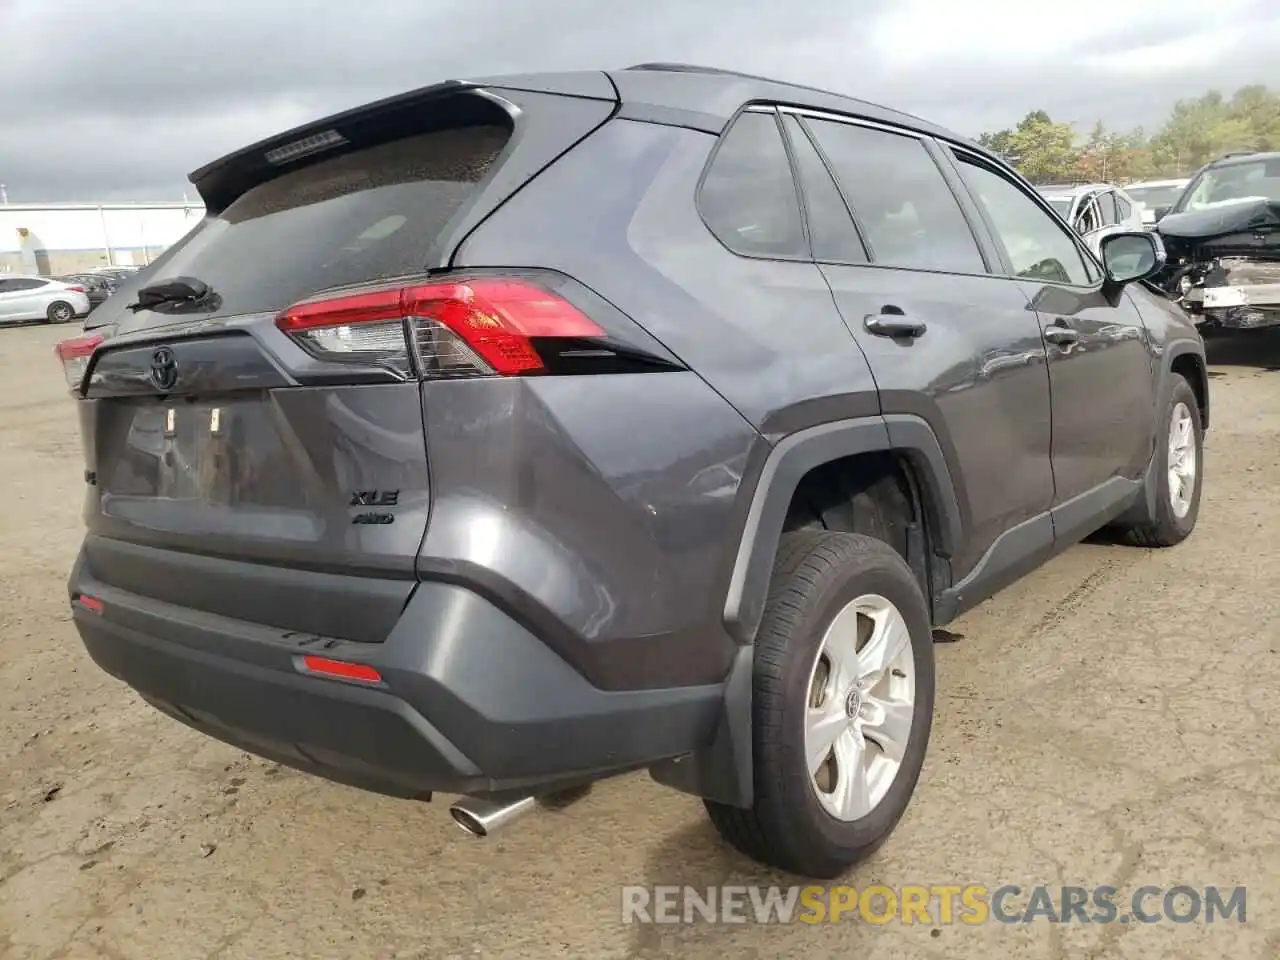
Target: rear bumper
470 701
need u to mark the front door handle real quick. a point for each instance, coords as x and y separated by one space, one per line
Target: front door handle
894 325
1061 336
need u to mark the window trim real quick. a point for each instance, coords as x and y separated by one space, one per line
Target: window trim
977 229
764 108
858 231
960 153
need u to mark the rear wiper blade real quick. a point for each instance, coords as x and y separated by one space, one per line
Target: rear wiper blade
177 291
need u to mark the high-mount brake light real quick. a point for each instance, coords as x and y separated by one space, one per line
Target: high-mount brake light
456 328
74 355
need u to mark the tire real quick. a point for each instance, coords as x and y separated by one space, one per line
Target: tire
1175 517
819 575
60 312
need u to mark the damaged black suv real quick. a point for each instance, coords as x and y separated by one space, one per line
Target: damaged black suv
1223 240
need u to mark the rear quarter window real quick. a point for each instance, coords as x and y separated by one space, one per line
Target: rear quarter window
367 215
748 197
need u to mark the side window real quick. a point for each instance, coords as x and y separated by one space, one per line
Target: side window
907 212
26 284
748 197
831 231
1107 201
1036 246
1124 209
6 286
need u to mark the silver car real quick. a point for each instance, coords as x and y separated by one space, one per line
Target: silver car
1096 210
39 298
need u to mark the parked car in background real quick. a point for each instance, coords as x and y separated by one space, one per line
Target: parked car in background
667 455
118 274
1223 240
39 298
97 286
1095 210
1155 197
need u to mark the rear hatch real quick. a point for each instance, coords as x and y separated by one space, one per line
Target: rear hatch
276 470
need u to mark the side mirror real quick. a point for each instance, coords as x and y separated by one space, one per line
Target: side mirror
1132 256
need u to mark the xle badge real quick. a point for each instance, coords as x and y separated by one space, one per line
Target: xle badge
374 498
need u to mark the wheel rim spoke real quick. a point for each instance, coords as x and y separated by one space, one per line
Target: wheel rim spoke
888 725
826 725
852 795
841 650
886 645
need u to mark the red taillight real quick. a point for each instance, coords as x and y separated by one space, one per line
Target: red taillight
76 289
341 669
472 327
74 355
92 604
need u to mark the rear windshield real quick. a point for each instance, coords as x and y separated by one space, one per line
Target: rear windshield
366 215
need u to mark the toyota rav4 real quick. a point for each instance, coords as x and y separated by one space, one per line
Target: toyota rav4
512 434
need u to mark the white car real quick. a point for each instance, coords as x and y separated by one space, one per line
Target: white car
1094 209
1155 196
39 298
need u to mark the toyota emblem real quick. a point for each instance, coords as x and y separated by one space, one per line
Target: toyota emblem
164 369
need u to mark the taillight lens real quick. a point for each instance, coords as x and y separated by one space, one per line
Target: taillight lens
76 289
457 328
74 355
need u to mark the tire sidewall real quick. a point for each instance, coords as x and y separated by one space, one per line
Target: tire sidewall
50 313
841 588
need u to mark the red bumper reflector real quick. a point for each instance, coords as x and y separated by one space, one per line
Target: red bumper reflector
92 604
341 669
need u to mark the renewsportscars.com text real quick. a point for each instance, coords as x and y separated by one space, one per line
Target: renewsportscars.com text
969 904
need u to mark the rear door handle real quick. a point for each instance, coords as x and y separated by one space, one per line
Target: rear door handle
1062 336
893 325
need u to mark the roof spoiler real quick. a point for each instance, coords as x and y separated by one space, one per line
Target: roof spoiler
221 182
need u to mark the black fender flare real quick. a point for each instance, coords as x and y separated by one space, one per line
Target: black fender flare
1180 348
796 455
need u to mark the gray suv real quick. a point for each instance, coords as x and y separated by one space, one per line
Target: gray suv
507 435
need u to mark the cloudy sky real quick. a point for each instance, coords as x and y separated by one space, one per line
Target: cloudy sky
102 101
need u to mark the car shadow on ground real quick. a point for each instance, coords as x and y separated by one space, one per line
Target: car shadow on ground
1259 349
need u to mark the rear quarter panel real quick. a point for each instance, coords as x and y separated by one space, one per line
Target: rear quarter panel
628 535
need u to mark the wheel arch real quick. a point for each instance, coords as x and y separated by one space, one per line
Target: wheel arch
908 437
723 771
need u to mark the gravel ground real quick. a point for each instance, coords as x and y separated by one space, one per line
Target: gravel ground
1109 720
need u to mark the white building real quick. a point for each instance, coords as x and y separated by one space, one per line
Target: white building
56 238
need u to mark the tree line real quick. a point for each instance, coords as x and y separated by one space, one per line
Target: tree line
1195 132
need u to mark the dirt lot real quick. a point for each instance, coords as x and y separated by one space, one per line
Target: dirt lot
1111 720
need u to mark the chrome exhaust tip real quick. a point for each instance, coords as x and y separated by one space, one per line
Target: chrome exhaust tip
480 817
